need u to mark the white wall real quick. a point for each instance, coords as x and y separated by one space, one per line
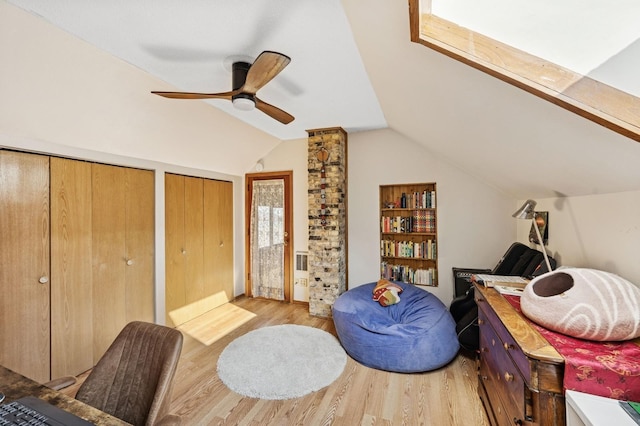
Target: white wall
61 96
474 221
475 226
593 231
57 88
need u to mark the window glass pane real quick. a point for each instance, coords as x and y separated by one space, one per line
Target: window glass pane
591 37
264 226
278 225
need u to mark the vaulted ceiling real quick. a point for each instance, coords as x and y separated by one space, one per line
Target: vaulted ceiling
353 65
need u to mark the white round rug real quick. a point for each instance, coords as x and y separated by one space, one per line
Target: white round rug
281 362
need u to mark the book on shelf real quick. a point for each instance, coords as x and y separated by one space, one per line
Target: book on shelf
489 280
407 274
425 199
408 249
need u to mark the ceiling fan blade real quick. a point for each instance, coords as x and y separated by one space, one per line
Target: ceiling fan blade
264 68
189 95
274 112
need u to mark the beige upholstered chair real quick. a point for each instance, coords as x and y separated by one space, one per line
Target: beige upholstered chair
133 379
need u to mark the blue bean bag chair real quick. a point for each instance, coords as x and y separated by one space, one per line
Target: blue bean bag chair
417 334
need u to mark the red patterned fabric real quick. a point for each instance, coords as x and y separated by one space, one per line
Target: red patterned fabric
609 369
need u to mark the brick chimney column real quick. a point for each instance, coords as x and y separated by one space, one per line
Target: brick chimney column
327 167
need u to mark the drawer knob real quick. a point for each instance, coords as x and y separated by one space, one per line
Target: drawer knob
508 377
507 346
517 421
480 321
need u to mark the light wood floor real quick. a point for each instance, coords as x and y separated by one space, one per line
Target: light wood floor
360 396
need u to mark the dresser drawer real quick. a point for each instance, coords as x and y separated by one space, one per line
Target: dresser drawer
520 374
496 412
500 374
485 313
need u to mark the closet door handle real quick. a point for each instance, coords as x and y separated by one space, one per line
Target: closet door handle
43 279
129 262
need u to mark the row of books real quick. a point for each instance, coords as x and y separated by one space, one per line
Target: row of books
418 200
423 221
415 249
407 274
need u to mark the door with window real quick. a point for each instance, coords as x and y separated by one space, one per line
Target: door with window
268 207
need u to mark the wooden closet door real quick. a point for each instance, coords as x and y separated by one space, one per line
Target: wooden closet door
199 246
123 250
24 260
71 273
139 244
175 263
108 241
218 241
194 242
184 245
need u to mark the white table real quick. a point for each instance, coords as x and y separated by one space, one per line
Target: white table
584 409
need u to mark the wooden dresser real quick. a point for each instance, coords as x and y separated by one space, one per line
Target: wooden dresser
519 373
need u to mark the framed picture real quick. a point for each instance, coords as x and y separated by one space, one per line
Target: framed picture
542 220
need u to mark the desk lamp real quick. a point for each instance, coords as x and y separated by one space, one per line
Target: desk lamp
527 211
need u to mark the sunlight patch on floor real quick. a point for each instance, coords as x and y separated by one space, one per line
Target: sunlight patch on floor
216 323
195 309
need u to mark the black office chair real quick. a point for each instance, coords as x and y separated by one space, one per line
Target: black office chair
518 260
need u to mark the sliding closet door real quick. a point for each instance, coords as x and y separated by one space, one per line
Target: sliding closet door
184 218
71 273
174 247
123 225
139 244
199 246
109 303
60 310
24 259
193 244
218 242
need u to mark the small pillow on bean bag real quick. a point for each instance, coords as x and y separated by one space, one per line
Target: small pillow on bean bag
584 303
386 293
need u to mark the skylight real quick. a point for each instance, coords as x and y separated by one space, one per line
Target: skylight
591 37
581 55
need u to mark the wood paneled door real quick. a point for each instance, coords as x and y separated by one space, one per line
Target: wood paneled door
218 244
76 260
71 274
198 246
123 250
24 264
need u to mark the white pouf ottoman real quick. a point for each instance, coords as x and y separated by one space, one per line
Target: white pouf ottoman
584 303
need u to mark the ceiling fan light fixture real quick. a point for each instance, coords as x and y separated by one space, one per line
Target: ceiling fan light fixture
247 79
243 104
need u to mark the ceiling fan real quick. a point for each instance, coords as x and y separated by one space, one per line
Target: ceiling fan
247 79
